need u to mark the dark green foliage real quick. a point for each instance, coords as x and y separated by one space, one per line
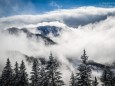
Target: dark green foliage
107 77
23 75
7 73
84 75
47 73
16 75
54 76
84 57
35 77
72 80
44 76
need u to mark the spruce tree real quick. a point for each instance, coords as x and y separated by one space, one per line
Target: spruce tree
23 75
72 80
54 76
84 75
107 77
7 74
16 77
43 76
35 77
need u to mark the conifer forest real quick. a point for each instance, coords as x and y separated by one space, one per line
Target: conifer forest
48 74
57 42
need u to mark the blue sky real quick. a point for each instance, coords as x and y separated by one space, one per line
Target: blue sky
17 7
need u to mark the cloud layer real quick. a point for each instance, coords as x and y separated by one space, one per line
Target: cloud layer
92 28
72 17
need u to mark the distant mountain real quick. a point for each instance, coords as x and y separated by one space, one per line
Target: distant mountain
17 31
46 30
94 65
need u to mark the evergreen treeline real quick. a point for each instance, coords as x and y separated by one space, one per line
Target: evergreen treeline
83 77
49 75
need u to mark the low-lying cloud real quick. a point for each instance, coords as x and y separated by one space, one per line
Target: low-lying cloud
91 28
70 17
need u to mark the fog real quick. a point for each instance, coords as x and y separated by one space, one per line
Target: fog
90 28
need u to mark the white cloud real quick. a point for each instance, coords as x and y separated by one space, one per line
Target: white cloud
54 4
91 28
70 17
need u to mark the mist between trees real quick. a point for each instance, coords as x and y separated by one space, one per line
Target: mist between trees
47 74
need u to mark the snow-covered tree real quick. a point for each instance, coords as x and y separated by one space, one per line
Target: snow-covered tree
84 75
23 75
16 76
54 76
7 74
43 76
35 77
107 77
72 80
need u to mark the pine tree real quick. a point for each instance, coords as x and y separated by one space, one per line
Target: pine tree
7 74
107 77
84 75
72 80
54 76
43 76
95 82
35 77
23 75
16 77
